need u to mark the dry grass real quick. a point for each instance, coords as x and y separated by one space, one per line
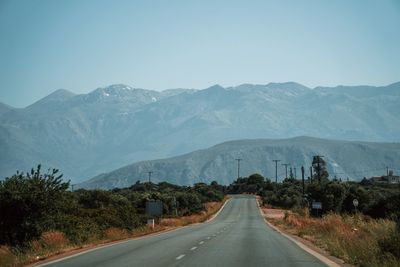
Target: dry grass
353 238
7 258
53 240
116 234
211 208
50 243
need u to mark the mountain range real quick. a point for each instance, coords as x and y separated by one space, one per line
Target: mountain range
88 134
345 160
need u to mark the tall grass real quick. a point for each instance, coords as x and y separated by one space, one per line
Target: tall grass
7 258
356 239
113 234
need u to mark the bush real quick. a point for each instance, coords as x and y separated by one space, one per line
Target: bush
27 203
286 195
42 215
391 244
81 230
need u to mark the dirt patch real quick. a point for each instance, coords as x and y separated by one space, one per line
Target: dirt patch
276 214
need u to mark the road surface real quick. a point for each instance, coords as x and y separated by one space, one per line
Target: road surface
238 236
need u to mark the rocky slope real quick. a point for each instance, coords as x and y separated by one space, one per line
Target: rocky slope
345 159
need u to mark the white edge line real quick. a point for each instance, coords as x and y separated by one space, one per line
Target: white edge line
109 245
314 253
193 248
37 264
216 214
180 257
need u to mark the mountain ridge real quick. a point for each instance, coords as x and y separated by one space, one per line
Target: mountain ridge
218 162
87 134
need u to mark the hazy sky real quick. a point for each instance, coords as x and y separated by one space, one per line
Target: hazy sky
81 45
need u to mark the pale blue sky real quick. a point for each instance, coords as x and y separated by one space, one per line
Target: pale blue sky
81 45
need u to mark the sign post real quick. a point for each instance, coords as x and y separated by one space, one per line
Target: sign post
154 208
355 204
316 206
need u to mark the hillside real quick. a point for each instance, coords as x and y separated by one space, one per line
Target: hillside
344 159
110 127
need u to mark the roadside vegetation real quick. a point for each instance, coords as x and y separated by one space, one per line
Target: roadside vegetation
357 239
366 235
41 217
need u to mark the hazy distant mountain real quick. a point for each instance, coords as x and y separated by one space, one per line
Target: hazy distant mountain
344 158
4 108
110 127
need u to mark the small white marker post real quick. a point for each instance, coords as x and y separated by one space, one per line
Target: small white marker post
355 204
150 222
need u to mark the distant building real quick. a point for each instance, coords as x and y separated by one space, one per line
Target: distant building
386 179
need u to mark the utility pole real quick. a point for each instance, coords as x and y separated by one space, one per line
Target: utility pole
238 167
295 174
276 169
387 171
175 206
319 168
311 174
302 177
150 176
286 165
72 187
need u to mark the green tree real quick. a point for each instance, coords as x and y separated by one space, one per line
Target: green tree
333 197
28 204
320 172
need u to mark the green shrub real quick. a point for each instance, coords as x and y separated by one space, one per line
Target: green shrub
391 244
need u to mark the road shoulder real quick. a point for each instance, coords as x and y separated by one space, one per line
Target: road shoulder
304 244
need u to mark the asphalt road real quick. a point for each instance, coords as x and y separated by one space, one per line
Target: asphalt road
238 236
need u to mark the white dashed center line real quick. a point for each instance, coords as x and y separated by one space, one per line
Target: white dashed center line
180 256
193 248
208 237
201 242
